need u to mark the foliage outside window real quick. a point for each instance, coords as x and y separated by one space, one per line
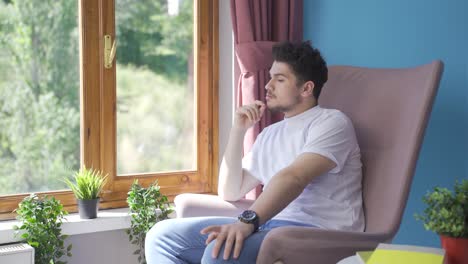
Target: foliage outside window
52 95
155 95
39 99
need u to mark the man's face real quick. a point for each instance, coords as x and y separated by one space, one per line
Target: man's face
283 94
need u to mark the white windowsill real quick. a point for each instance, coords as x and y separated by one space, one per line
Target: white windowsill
107 220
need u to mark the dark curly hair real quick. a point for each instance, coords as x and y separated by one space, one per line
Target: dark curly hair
305 61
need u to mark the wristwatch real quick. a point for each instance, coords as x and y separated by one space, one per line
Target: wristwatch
250 217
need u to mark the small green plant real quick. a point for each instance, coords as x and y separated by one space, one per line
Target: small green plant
41 221
87 183
147 207
447 212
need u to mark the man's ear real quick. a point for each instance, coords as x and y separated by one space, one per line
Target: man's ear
307 89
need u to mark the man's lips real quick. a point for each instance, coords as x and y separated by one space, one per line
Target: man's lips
269 96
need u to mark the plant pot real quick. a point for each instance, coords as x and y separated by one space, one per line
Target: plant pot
88 208
455 249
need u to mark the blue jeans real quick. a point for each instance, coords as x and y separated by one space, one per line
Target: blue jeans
179 241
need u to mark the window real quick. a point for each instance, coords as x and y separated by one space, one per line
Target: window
151 116
155 95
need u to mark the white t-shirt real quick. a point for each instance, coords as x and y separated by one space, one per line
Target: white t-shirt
332 200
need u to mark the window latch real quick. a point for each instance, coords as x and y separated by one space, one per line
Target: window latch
109 51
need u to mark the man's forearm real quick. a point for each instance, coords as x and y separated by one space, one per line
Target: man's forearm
289 183
281 191
230 172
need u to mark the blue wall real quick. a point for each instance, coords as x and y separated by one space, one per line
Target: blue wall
401 33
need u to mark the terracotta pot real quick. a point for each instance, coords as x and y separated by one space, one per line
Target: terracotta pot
456 250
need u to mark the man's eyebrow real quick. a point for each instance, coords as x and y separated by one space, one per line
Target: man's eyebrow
278 75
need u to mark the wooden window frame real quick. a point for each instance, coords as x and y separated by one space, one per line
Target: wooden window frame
98 111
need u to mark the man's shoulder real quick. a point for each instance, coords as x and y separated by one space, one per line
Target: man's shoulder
332 112
334 116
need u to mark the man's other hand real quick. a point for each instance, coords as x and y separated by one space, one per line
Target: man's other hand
247 115
231 234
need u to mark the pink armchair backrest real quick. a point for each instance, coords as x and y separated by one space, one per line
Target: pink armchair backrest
389 109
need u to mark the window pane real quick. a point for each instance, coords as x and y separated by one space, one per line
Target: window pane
39 94
155 91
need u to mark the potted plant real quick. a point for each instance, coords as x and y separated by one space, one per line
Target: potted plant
87 186
447 215
147 207
41 221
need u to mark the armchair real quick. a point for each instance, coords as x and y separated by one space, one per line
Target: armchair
390 109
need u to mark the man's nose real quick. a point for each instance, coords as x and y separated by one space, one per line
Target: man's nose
268 85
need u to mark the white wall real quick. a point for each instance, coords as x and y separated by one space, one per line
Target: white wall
102 248
113 246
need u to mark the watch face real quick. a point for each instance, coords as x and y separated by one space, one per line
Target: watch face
249 215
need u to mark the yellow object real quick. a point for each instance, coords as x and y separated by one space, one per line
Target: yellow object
364 256
402 254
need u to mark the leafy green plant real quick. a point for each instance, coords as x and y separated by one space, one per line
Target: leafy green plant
88 183
41 221
147 207
447 212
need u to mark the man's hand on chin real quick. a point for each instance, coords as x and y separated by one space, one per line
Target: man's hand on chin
231 234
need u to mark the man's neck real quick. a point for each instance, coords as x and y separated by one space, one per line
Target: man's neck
301 108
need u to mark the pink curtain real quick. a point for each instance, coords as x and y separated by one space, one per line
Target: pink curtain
258 25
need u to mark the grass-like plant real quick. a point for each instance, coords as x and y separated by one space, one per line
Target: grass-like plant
447 213
147 207
41 221
87 183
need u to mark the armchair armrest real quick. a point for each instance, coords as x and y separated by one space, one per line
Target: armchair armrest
285 244
193 205
312 245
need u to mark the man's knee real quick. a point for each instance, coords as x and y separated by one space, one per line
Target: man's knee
208 259
248 254
159 231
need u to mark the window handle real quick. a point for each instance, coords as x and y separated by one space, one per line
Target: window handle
109 51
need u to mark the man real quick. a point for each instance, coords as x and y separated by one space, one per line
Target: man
309 164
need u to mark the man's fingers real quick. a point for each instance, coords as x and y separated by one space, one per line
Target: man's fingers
210 229
211 237
238 246
228 245
255 113
259 103
232 236
245 111
252 113
261 107
218 244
